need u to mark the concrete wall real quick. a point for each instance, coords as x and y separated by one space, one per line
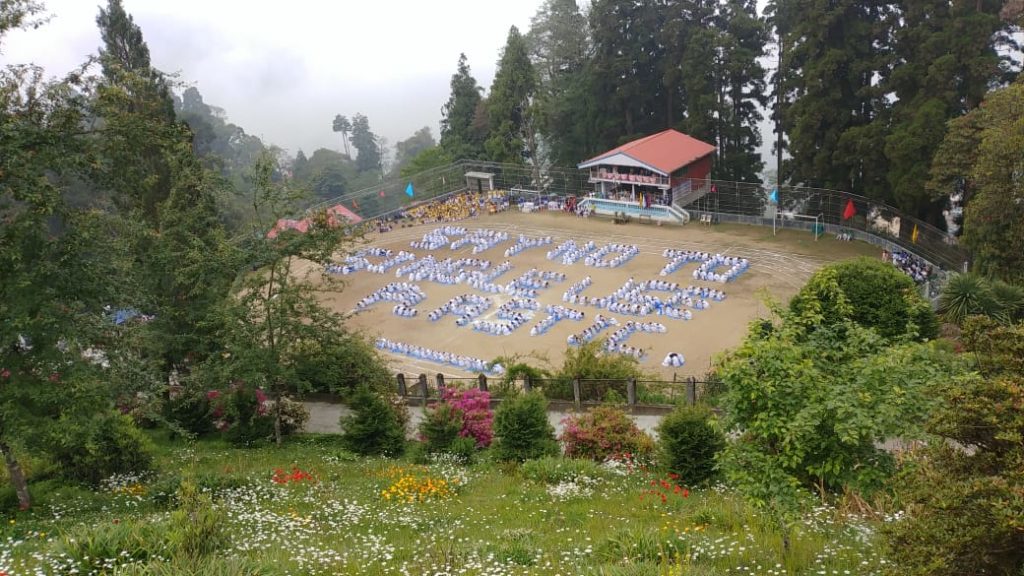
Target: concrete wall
324 416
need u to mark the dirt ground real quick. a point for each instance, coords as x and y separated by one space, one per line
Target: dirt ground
779 266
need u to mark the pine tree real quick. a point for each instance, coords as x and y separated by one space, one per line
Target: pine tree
833 50
743 92
560 51
458 138
508 105
136 107
343 126
365 143
627 69
947 56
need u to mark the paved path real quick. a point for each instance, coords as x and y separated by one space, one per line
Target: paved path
324 416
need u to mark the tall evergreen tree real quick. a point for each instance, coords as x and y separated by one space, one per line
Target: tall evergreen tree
560 50
458 138
138 114
365 143
509 103
627 69
946 57
833 51
743 92
343 126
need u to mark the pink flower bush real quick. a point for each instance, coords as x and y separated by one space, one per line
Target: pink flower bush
477 417
603 432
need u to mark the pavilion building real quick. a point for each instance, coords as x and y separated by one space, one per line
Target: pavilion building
665 169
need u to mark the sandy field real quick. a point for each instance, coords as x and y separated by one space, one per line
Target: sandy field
779 265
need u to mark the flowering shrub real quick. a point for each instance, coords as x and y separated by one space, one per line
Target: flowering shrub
296 476
602 432
416 484
477 418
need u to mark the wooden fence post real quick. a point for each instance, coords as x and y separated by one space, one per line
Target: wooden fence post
440 386
691 390
424 392
576 391
402 390
527 385
631 391
483 382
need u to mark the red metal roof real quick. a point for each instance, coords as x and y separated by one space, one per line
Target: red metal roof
665 151
303 225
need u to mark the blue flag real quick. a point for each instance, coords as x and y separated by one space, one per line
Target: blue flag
408 189
774 196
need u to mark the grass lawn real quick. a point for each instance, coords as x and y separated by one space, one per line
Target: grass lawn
382 516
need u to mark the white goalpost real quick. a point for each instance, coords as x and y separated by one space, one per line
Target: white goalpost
818 228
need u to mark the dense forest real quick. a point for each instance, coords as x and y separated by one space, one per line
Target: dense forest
860 93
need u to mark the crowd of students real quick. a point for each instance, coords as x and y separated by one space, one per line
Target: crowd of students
678 258
572 294
707 270
467 363
555 315
912 266
404 311
438 237
570 252
465 306
458 207
601 322
617 339
481 239
626 252
401 292
525 243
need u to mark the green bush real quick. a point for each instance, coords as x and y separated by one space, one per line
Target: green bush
602 432
688 443
464 448
440 427
108 445
250 424
964 507
374 428
191 411
522 429
196 528
870 292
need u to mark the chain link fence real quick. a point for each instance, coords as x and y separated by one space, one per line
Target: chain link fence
738 202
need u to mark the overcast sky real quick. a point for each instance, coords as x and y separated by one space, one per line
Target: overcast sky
282 69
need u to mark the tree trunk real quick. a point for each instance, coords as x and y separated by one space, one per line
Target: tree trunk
17 477
277 415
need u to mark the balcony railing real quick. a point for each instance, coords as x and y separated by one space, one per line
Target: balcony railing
603 175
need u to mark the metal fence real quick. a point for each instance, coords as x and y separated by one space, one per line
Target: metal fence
421 388
739 202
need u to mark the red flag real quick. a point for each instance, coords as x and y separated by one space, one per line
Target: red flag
850 210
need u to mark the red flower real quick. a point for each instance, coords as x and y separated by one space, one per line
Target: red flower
55 377
5 374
